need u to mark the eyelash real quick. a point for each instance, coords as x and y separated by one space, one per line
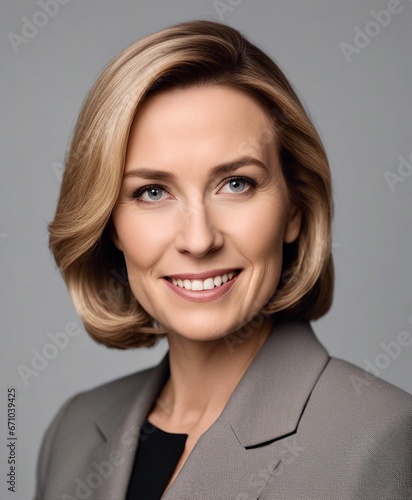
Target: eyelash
139 192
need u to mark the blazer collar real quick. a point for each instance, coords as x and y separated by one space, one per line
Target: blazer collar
136 402
120 428
270 398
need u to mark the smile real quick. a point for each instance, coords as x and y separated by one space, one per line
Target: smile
202 290
206 284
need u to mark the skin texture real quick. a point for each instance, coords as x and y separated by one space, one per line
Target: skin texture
198 222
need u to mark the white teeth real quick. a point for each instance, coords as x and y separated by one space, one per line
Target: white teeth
217 280
207 284
197 285
187 284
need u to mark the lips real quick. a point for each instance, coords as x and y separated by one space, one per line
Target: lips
203 290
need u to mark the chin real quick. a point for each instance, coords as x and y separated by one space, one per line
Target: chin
201 329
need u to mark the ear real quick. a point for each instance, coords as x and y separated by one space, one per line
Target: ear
114 236
293 224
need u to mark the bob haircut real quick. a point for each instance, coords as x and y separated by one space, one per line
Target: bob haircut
189 54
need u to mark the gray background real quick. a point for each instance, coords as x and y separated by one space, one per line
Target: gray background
361 108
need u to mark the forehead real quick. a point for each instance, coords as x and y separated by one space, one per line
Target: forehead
210 120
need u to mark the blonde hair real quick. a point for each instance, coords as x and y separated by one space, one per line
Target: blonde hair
189 54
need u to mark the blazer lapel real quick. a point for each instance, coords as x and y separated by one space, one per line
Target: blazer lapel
232 459
268 402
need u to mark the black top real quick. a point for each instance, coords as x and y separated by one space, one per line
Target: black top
156 457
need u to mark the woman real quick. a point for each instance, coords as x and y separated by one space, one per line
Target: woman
196 174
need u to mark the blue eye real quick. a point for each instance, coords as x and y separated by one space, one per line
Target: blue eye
239 184
154 193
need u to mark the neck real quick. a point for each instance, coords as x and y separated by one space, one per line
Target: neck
203 375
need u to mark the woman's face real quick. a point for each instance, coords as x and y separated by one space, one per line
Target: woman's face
203 193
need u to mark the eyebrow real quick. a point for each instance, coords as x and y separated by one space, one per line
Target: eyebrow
224 168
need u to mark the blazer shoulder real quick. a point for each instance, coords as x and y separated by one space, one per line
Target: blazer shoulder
365 387
78 414
366 402
89 404
358 422
375 418
104 395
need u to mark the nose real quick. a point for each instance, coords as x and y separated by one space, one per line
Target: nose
198 234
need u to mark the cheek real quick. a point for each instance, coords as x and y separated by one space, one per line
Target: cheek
260 231
143 239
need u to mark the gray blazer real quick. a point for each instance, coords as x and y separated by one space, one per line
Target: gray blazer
300 425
